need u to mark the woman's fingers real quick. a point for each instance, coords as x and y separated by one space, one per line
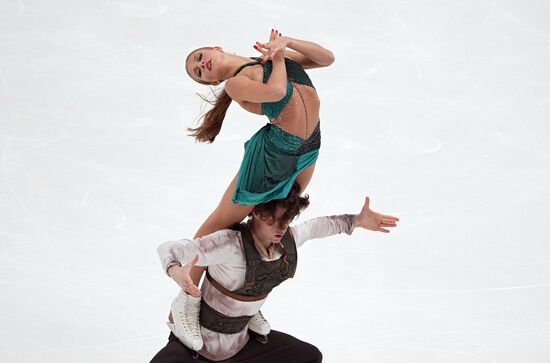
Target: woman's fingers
262 45
271 48
264 49
271 54
260 50
268 55
274 34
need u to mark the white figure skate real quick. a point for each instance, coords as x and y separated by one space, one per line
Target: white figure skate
186 326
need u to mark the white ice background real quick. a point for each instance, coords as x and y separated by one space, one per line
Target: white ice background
439 110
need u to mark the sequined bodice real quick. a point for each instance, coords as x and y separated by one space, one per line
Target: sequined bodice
298 110
295 74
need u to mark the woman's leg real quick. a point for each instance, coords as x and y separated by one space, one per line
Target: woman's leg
228 213
304 177
225 215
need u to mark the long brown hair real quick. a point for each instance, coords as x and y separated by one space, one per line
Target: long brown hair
213 119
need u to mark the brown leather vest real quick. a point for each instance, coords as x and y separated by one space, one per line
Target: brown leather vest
261 277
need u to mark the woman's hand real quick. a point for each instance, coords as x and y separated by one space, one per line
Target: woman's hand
180 274
374 221
274 49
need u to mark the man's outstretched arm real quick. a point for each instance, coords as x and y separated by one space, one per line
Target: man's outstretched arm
346 223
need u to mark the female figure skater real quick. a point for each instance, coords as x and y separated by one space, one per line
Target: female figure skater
282 152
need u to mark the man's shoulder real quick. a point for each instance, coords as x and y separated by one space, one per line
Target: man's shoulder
224 234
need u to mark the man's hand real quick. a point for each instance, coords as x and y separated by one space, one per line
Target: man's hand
180 274
374 221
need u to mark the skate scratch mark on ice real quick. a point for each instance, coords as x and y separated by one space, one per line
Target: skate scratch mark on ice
75 95
87 346
137 123
410 43
112 311
487 289
4 83
84 200
84 203
421 346
123 217
514 98
360 77
521 22
7 350
8 182
335 183
480 25
338 90
22 248
477 27
434 148
387 134
21 7
20 10
506 186
413 291
17 197
525 148
47 141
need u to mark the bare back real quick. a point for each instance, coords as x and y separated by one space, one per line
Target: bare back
298 112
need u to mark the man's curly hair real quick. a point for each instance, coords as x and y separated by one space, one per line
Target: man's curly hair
294 204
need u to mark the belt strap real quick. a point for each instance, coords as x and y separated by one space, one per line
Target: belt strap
232 294
213 320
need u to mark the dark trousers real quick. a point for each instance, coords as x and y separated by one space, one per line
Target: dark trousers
281 347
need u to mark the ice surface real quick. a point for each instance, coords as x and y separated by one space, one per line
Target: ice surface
438 110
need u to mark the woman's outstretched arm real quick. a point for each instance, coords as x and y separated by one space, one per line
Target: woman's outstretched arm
308 54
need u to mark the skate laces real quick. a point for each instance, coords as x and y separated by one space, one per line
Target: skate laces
259 316
189 319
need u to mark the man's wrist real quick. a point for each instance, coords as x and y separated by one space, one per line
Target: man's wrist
355 221
170 265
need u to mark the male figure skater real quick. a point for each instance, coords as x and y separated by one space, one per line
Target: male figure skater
244 264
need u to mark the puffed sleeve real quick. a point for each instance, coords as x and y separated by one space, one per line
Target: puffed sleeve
213 249
323 227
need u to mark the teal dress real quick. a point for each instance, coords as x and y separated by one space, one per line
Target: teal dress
273 158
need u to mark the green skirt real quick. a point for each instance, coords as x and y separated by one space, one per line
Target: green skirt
272 160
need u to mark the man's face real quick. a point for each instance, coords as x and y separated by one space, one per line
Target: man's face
271 229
